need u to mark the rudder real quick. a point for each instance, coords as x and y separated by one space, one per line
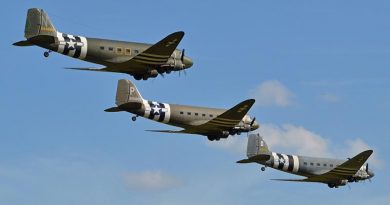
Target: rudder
38 23
256 146
127 92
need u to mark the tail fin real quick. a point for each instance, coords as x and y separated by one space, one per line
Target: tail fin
257 150
38 23
256 146
127 92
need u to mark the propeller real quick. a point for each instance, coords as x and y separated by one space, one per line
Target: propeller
253 121
182 55
367 167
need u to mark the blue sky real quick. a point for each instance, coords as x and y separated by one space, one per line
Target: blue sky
318 70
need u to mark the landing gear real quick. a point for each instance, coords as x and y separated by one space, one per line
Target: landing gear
46 53
134 118
138 77
212 138
145 77
262 169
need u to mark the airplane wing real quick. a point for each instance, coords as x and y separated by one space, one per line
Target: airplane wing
156 55
341 172
225 121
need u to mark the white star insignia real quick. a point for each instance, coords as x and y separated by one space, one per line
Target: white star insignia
71 44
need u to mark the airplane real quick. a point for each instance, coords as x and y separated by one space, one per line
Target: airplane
334 172
211 122
140 60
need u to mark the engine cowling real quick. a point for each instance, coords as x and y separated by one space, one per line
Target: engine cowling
153 73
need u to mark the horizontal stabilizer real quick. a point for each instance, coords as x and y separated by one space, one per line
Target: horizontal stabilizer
23 43
88 69
113 109
257 158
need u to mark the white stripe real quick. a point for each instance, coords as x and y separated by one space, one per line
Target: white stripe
296 163
147 108
84 47
61 41
276 160
167 113
286 162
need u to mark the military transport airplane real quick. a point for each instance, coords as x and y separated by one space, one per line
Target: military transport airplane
140 60
211 122
333 172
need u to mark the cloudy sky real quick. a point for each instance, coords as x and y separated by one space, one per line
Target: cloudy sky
318 70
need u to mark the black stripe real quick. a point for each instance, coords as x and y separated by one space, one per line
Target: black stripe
66 47
280 164
290 163
78 48
272 160
162 114
151 114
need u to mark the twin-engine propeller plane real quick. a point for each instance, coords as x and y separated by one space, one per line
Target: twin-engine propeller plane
140 60
210 122
333 172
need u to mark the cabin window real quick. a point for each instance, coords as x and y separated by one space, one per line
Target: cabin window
331 165
136 51
325 165
128 51
188 113
110 48
101 47
204 115
211 115
119 50
318 164
181 113
311 163
305 163
196 114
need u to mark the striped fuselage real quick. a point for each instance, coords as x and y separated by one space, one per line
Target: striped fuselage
302 165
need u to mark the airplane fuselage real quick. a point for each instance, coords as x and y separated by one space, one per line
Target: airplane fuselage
185 116
109 53
310 166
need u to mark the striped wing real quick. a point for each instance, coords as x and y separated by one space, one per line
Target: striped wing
223 122
156 55
342 172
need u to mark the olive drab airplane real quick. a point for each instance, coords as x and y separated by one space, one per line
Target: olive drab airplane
333 172
210 122
140 60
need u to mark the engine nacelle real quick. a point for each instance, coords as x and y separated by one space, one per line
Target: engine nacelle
175 64
153 73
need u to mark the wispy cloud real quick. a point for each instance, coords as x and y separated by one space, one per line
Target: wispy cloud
272 93
151 180
328 97
294 139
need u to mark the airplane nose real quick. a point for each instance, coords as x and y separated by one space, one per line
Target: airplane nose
255 126
187 62
371 174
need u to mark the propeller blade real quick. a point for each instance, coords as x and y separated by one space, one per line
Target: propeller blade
367 167
182 55
253 121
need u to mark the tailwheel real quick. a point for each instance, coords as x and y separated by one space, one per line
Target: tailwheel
46 53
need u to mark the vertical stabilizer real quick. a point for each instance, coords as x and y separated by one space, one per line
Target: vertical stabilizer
38 23
127 92
256 146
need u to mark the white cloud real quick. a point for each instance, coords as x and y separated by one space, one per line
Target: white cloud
357 145
328 97
151 180
272 93
294 139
